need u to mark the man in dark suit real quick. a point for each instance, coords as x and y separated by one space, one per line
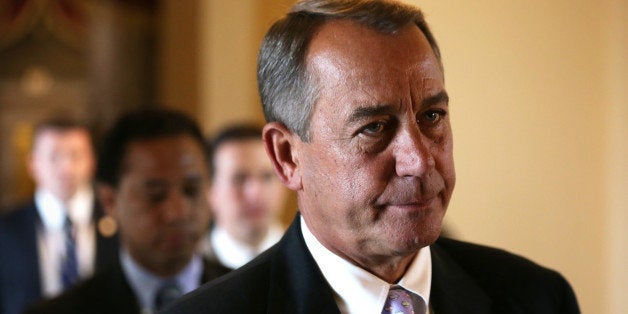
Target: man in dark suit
246 198
33 253
153 179
354 96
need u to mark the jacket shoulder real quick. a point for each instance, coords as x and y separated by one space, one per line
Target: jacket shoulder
243 290
476 259
105 292
508 278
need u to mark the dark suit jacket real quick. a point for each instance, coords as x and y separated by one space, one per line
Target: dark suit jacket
19 257
107 292
466 278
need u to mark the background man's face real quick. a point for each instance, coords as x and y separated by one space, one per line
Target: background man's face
378 172
62 161
161 201
246 196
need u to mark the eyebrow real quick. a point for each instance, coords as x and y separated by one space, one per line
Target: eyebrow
364 112
385 109
441 97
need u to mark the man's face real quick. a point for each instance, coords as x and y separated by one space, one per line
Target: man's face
378 173
246 196
62 161
161 201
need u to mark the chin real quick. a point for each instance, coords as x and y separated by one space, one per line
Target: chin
420 237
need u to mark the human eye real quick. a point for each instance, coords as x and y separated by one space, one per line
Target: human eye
432 116
374 128
155 192
238 179
192 189
268 176
157 195
375 135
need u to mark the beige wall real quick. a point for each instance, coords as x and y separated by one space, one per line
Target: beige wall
617 165
539 109
231 32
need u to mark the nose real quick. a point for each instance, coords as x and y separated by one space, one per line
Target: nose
412 153
253 189
176 207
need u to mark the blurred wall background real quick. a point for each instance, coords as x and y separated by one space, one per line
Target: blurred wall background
538 98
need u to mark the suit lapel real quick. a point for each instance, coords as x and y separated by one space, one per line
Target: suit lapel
297 285
116 294
212 270
19 259
453 291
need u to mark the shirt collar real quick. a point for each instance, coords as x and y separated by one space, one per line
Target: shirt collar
233 253
358 291
145 284
53 211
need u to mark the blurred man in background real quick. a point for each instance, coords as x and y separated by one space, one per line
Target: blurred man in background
245 196
53 241
153 179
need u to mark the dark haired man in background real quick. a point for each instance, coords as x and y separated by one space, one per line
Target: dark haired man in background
152 179
246 197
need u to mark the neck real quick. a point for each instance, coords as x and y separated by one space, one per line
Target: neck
389 269
251 237
166 268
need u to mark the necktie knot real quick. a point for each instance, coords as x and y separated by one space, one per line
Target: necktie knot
402 301
166 294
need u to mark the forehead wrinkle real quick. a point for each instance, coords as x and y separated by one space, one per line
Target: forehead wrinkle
427 87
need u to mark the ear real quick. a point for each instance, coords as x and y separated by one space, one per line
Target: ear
283 153
107 197
108 224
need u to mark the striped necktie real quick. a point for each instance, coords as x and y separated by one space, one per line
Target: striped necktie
69 264
402 301
166 294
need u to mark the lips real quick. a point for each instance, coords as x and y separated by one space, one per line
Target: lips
413 204
177 237
412 192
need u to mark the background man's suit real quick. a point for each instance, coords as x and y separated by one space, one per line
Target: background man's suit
466 278
20 278
107 292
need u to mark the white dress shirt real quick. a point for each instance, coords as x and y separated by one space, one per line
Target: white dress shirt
356 290
51 236
145 284
233 253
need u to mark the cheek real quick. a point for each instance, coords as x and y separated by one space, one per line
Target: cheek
445 161
136 229
220 194
136 217
225 205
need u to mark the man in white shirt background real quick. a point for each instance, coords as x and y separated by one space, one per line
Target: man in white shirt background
62 235
152 179
246 197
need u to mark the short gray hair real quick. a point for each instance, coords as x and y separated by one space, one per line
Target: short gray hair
288 92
